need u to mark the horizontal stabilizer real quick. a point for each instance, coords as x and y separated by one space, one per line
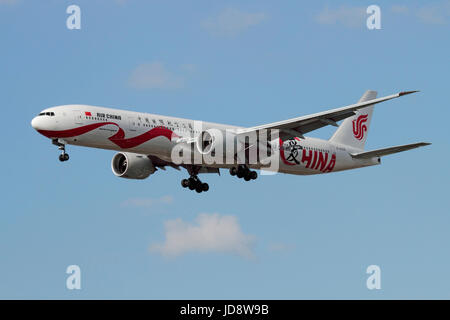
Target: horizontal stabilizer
386 151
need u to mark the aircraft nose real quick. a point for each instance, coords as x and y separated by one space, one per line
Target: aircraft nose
35 123
40 123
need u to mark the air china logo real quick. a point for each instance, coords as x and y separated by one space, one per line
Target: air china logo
359 128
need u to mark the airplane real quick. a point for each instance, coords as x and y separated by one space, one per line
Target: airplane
146 142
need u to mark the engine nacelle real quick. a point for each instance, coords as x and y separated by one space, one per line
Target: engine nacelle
132 165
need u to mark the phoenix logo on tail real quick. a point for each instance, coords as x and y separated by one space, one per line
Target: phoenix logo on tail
359 128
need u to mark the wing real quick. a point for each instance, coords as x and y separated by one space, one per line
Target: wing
386 151
162 164
296 127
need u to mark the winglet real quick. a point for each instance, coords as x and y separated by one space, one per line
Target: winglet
404 93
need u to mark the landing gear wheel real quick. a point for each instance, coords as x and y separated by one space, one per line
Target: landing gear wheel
63 157
194 183
242 171
185 183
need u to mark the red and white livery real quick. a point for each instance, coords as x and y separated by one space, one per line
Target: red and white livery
148 142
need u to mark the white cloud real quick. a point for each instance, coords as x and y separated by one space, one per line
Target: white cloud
209 233
147 202
355 16
345 15
231 22
435 13
154 76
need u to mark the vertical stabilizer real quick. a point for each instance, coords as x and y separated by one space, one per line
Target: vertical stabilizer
353 130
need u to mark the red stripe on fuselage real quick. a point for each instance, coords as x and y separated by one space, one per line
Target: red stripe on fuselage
118 138
75 131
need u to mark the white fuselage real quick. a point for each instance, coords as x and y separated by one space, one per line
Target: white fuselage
151 134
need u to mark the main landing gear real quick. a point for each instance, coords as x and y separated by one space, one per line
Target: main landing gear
61 146
194 183
242 171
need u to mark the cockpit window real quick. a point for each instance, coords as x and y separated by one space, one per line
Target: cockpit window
50 114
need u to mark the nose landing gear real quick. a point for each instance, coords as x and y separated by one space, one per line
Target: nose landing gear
242 171
63 157
194 183
61 146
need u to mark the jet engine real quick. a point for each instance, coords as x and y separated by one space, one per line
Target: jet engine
132 165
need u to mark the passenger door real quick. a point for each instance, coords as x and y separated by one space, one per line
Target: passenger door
132 123
78 117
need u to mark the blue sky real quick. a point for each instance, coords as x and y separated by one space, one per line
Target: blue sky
236 62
